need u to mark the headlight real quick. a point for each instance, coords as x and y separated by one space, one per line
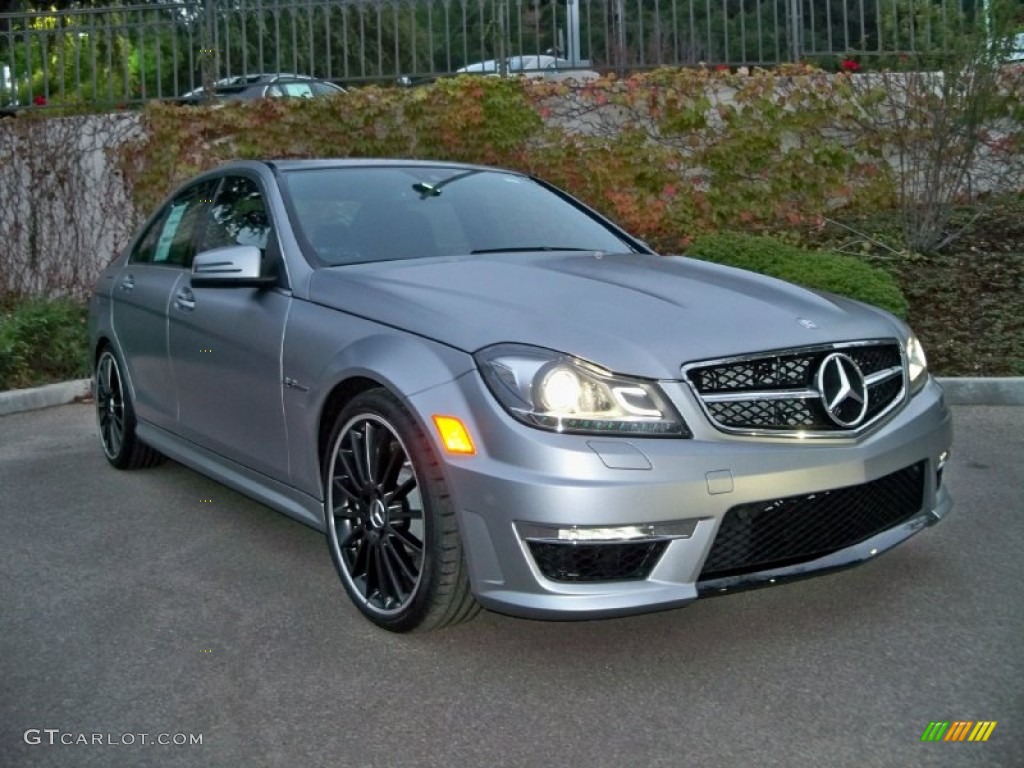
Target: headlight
561 393
917 365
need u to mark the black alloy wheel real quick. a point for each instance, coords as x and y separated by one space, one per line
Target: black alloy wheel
116 418
391 526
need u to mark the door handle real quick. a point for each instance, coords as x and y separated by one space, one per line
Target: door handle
127 282
185 300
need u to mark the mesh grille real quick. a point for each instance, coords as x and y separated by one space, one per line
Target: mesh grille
773 534
773 413
614 561
770 373
875 358
883 393
792 371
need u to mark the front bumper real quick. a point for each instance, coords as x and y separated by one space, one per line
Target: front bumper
522 480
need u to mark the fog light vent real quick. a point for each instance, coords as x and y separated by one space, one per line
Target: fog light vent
586 562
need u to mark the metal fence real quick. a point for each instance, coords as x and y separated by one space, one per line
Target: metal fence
159 50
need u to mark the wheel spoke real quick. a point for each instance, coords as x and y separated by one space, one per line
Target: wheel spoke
115 440
372 586
359 562
351 472
408 539
105 376
339 484
380 577
392 468
369 455
357 469
402 559
396 592
404 489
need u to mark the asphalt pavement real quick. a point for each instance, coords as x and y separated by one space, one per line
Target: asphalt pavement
161 603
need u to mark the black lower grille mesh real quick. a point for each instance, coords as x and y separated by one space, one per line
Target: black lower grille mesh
773 534
615 561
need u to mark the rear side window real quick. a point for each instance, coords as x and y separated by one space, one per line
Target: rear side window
297 90
169 240
143 253
323 89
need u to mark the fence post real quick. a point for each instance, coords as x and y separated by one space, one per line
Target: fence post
501 51
795 32
620 37
208 49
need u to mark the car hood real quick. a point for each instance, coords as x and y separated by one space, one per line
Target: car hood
631 313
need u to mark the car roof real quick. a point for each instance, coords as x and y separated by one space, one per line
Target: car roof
261 166
238 83
348 162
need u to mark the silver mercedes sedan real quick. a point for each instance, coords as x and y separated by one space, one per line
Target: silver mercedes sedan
487 394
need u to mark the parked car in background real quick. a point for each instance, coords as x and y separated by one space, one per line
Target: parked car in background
246 87
528 66
486 393
1017 53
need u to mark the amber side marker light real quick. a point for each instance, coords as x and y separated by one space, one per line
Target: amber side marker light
454 435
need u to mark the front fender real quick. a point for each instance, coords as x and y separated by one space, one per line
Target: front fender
336 348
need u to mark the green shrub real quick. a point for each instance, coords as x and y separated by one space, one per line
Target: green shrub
43 341
820 270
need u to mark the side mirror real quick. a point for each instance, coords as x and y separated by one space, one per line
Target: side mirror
235 266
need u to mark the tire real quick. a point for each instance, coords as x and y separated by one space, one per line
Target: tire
115 417
391 526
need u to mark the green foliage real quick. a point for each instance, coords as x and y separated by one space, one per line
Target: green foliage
71 67
819 270
668 154
42 341
696 150
471 119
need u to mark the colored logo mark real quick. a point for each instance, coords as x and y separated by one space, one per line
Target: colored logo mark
959 730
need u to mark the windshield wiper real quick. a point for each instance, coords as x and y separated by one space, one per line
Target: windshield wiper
527 249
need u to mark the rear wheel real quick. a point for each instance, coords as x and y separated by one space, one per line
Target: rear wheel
116 418
391 526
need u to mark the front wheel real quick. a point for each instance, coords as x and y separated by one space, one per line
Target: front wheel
391 526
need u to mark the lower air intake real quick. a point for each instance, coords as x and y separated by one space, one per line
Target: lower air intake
782 532
611 561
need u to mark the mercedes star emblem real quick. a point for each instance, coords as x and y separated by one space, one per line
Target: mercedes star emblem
842 389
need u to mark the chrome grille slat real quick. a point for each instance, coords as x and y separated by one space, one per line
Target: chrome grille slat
776 393
782 394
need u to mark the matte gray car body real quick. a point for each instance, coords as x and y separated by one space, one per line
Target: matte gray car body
252 412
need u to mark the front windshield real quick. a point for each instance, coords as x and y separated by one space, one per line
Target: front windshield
356 215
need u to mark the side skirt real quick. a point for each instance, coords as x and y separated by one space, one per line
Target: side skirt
263 489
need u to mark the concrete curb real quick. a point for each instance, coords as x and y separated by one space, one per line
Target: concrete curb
18 400
983 391
959 391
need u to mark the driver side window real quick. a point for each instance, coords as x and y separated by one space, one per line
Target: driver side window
237 217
